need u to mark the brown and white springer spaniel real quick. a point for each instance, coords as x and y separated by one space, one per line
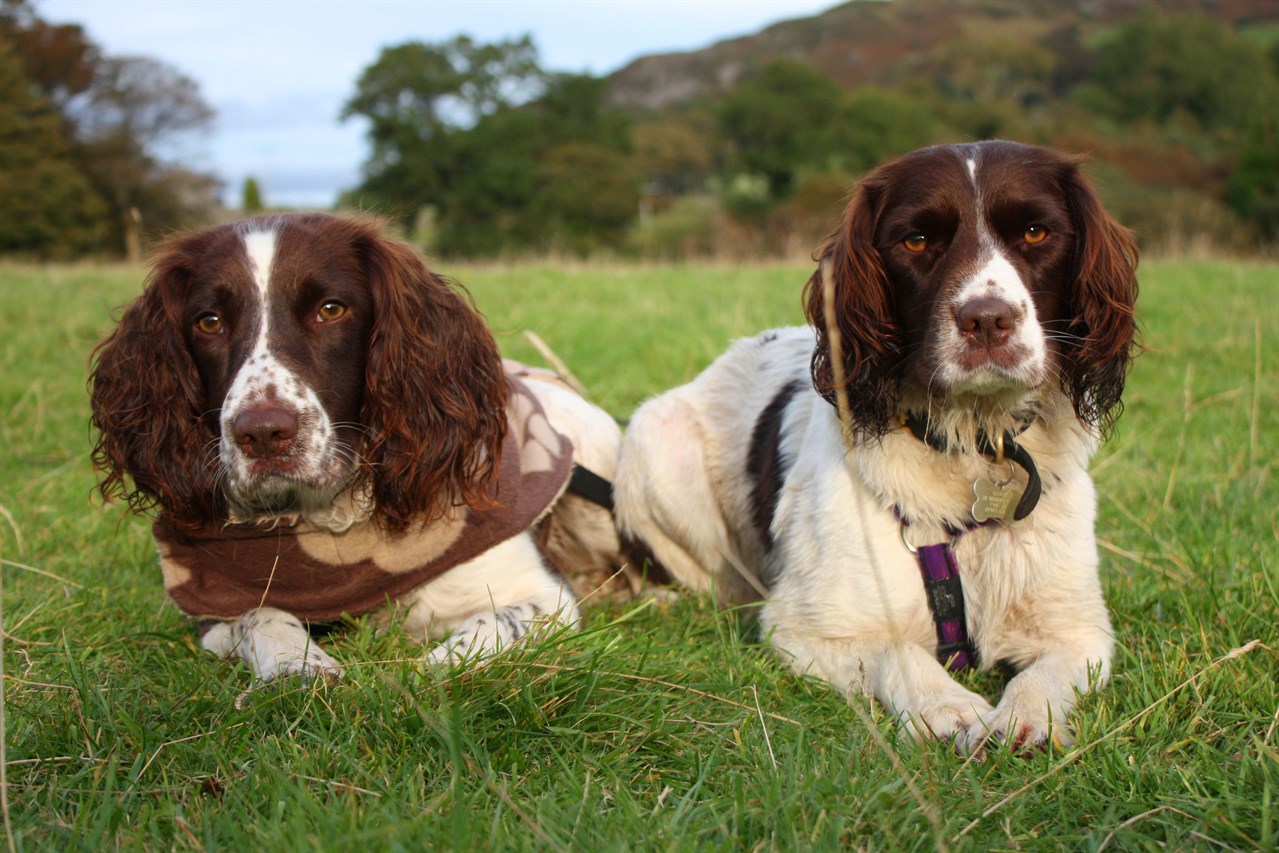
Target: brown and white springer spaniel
983 304
326 427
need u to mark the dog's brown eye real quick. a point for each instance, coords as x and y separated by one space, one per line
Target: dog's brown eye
330 311
915 243
1035 234
210 324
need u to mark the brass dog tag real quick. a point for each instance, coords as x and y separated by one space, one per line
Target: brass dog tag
994 500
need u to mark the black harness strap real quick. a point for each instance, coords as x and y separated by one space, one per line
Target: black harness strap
587 484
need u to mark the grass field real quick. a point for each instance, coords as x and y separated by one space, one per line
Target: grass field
660 726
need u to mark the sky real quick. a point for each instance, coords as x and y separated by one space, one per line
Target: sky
277 72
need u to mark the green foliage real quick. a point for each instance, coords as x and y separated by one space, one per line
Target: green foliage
589 194
662 726
1253 187
1180 70
575 109
511 159
59 59
995 70
877 125
781 122
419 98
674 153
552 174
690 227
744 195
110 119
251 196
48 207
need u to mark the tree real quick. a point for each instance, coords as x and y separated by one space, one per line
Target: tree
995 70
48 207
1179 68
58 59
876 125
135 108
251 196
673 154
416 96
119 120
1253 186
488 141
781 122
589 194
553 172
991 87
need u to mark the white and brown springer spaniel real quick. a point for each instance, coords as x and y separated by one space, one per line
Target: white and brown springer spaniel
981 295
304 373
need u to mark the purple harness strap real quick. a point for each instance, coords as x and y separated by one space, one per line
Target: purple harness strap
946 600
937 562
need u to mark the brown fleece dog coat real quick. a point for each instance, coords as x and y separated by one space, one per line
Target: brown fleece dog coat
226 569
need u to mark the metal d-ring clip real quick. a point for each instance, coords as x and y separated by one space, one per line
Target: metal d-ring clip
901 527
999 448
914 549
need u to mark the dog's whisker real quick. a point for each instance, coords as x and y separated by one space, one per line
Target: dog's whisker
359 475
871 540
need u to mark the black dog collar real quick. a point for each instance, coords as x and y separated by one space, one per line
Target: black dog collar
918 425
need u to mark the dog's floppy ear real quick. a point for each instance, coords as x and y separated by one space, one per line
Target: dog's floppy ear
147 399
435 391
861 311
1103 295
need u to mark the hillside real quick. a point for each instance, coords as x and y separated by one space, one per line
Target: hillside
887 41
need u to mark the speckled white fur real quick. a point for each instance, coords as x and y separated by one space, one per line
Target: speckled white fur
845 598
481 606
264 379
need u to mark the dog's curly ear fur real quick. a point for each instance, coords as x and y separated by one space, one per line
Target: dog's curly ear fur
863 314
435 391
1102 297
147 399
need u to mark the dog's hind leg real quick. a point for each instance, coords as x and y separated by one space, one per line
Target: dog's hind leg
666 501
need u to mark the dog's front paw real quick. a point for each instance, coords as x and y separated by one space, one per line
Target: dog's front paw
491 632
477 638
1023 728
948 717
314 665
454 651
275 645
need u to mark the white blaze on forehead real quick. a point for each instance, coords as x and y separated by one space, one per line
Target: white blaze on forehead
260 247
972 170
252 375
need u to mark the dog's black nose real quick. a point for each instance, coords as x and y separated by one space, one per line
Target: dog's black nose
986 321
265 432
